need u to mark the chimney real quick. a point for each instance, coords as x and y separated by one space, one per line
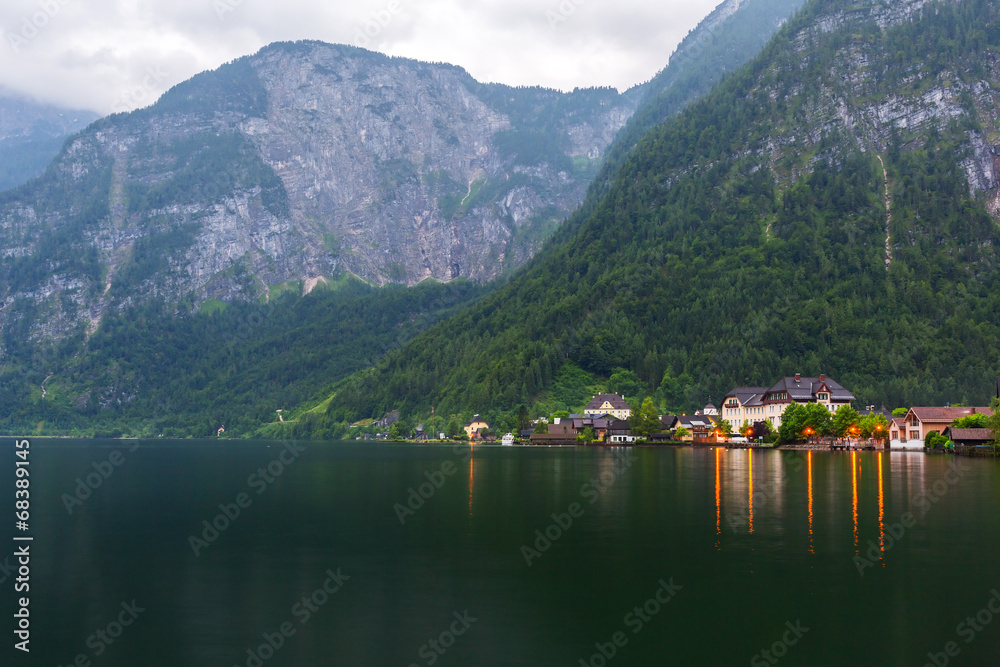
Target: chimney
798 377
822 378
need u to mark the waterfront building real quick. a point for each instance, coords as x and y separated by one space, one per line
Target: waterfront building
475 428
744 406
608 404
918 422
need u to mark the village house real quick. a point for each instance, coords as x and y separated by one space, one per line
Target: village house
620 432
744 406
803 390
918 422
897 436
608 404
474 429
699 427
558 434
969 437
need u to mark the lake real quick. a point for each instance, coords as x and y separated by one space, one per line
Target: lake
253 553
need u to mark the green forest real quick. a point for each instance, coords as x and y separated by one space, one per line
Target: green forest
736 241
706 266
149 371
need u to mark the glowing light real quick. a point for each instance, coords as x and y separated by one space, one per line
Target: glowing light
809 461
854 485
718 499
881 508
750 459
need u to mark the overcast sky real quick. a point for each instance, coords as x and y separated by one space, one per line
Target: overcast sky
116 55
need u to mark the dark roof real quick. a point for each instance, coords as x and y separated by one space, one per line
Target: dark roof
619 426
616 401
805 389
946 414
694 421
747 396
589 422
667 420
969 434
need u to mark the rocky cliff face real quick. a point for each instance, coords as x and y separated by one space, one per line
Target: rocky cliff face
31 135
886 95
302 162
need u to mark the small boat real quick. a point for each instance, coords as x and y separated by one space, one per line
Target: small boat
508 440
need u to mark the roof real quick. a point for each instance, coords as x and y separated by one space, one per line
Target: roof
978 434
616 401
581 423
805 389
747 396
945 415
710 407
694 421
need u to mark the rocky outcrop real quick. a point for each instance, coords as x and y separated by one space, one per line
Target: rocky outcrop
304 161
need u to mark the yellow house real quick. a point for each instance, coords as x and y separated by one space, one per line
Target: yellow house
608 404
473 428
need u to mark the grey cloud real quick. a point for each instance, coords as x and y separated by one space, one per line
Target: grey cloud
97 53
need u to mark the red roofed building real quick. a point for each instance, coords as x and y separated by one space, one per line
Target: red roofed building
918 422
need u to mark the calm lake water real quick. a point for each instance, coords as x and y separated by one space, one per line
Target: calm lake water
740 548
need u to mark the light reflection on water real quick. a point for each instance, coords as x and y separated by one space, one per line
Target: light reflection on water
772 533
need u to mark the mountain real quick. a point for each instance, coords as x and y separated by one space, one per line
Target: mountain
31 135
758 234
91 310
303 162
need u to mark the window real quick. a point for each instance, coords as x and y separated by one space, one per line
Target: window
914 435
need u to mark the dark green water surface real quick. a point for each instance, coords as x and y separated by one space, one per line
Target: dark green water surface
874 559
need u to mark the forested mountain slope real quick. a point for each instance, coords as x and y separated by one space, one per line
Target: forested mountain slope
120 263
756 235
